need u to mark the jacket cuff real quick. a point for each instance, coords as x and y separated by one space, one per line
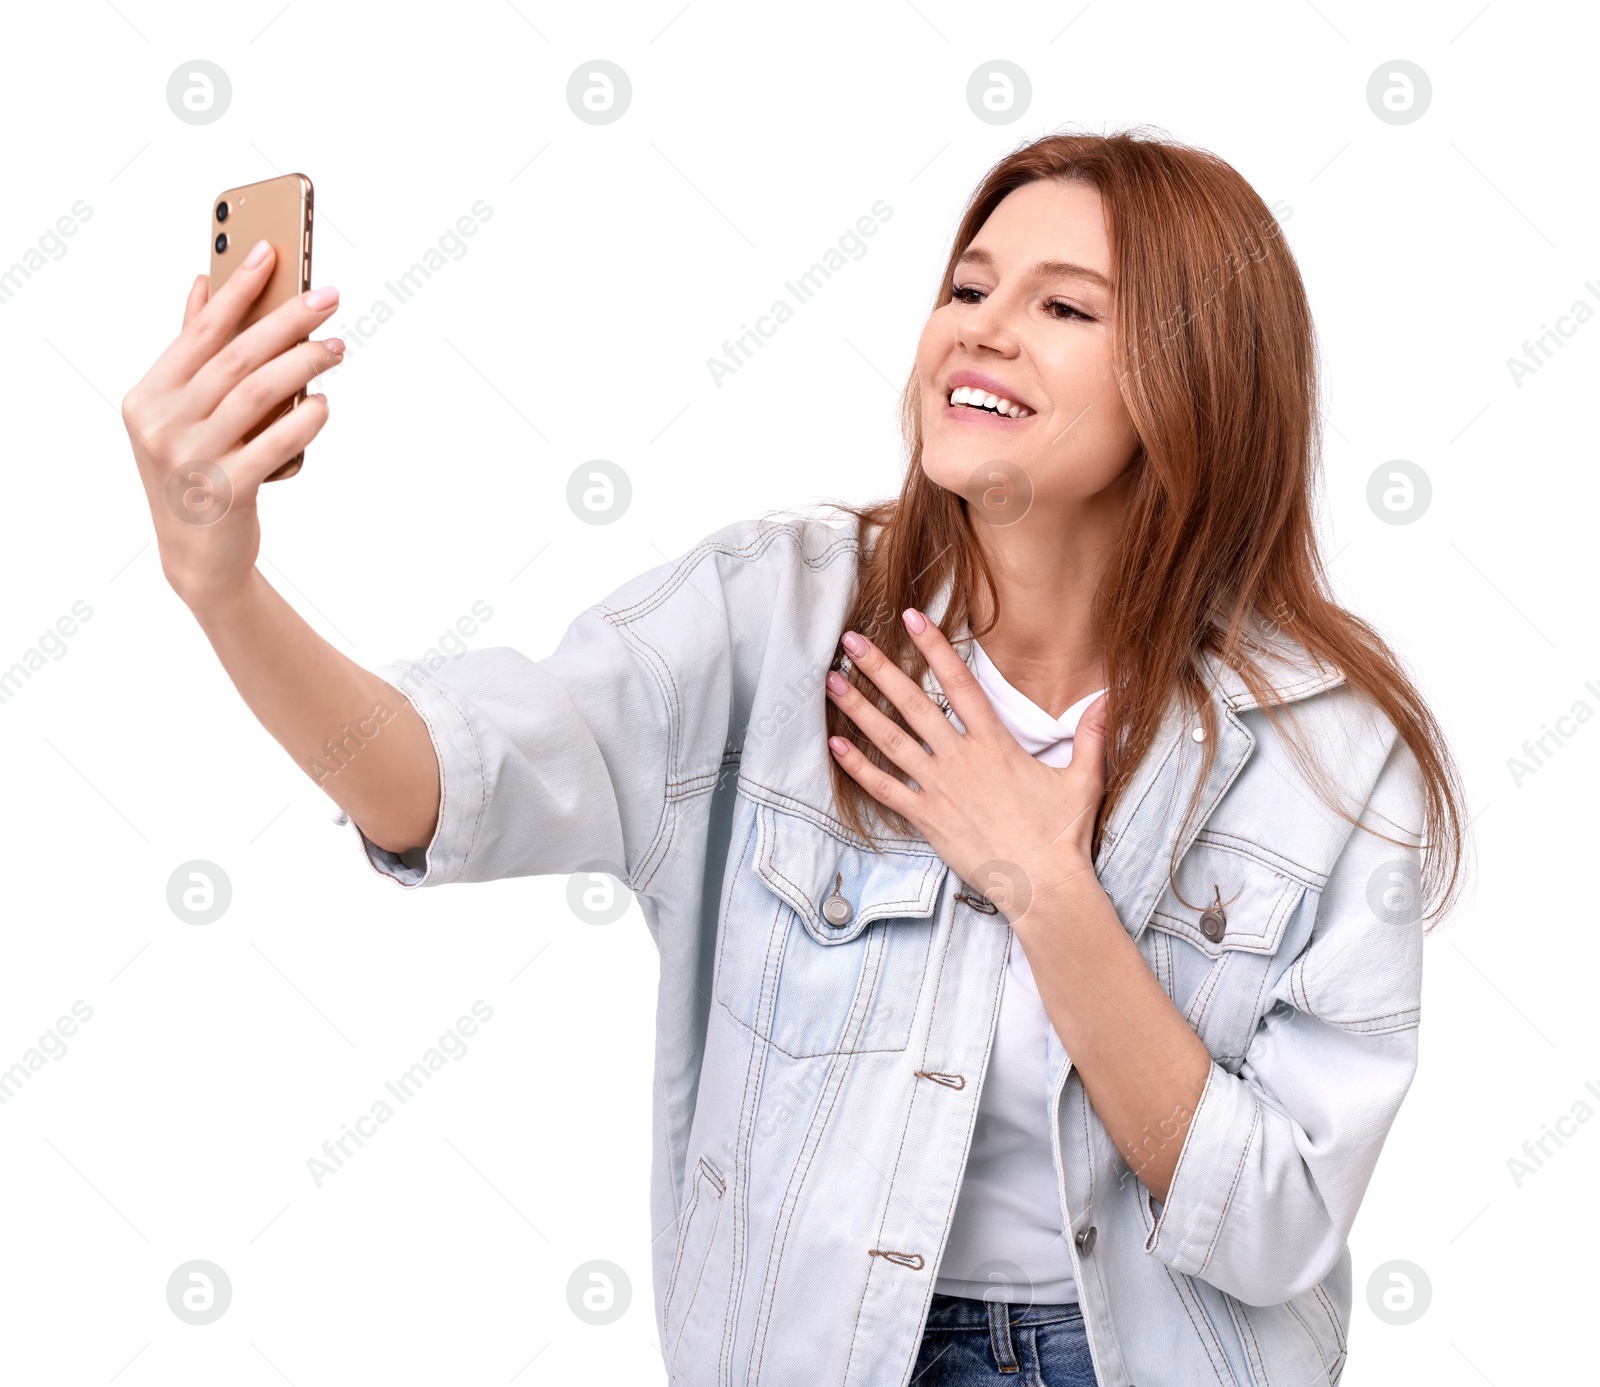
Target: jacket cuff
1216 1148
461 784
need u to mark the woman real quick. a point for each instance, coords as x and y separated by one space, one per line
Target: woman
1035 1006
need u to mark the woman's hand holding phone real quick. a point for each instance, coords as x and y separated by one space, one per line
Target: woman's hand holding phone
188 417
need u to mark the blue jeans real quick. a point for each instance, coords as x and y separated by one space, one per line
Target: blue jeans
983 1343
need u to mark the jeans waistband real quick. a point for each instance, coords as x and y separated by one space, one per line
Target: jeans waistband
961 1312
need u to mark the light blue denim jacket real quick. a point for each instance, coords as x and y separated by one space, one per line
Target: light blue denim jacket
815 1086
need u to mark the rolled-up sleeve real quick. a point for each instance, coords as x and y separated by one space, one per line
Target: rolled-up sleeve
1277 1158
548 766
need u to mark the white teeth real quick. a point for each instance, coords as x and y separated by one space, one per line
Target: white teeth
971 396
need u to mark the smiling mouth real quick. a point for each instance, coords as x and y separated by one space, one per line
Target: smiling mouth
970 397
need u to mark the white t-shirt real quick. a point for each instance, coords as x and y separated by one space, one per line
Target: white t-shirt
1008 1212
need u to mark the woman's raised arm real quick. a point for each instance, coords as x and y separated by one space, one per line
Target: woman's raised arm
345 727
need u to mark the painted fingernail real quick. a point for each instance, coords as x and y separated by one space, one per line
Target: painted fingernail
854 643
258 253
334 345
837 683
915 622
838 746
325 297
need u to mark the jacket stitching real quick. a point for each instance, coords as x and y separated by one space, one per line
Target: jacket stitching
1257 1011
1207 990
1163 949
1355 1025
1247 1336
1095 1263
754 549
1361 1028
1154 1240
1233 1185
1206 1335
745 1026
1297 990
755 1070
1329 1365
652 659
664 837
747 1104
838 1072
1259 852
892 907
1144 794
477 752
1333 1318
702 1171
693 785
777 799
1310 682
1259 944
720 983
1288 902
686 1221
1382 1016
1316 1344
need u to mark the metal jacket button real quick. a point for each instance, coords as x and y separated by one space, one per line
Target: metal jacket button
836 910
1213 924
1085 1240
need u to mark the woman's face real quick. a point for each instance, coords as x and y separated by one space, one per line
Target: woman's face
1027 324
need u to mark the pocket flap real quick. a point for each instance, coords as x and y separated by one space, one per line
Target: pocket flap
804 864
1258 901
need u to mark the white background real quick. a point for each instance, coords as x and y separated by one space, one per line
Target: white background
179 1123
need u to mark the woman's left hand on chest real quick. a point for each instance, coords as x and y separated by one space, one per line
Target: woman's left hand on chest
1007 824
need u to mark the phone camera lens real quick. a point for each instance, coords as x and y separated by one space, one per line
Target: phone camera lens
222 242
222 211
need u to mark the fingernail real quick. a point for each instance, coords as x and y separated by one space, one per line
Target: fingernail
837 683
838 746
334 345
854 643
915 621
258 253
325 297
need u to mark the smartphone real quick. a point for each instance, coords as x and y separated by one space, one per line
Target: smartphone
276 210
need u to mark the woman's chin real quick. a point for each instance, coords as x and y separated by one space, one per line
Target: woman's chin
969 472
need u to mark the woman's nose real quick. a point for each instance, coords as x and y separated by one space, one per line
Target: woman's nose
987 325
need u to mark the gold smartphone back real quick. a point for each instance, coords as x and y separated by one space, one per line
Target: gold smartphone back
278 210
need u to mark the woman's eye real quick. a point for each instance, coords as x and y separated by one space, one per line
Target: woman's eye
1069 311
966 293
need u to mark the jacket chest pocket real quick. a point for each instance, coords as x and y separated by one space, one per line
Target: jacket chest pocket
822 947
1218 962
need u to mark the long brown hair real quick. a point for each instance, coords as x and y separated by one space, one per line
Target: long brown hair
1217 360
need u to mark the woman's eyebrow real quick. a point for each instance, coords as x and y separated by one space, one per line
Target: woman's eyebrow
1045 269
